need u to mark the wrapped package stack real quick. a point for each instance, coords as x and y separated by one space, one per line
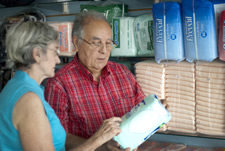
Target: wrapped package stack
180 96
210 98
151 78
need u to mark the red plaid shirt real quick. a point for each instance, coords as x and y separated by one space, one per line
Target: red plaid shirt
82 103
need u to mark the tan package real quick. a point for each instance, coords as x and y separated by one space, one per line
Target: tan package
150 78
212 105
180 64
210 115
209 90
210 110
150 83
65 37
213 130
181 115
182 120
149 63
180 68
182 130
151 88
158 94
152 74
183 101
210 124
210 95
215 63
220 121
181 83
210 132
210 80
181 105
210 69
182 73
179 77
181 97
179 87
180 125
152 69
211 86
211 100
177 91
181 110
210 75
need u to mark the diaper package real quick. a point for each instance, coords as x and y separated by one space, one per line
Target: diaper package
123 36
222 36
143 33
141 122
167 31
64 29
199 30
109 9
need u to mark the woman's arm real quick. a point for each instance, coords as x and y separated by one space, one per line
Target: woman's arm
30 120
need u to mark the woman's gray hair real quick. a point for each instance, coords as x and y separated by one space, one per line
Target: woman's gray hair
22 38
83 19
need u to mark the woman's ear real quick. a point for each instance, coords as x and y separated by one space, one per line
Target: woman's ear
75 42
37 54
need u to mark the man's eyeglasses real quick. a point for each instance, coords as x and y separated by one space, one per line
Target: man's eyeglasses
97 44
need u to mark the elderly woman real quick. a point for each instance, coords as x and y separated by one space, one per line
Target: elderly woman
27 120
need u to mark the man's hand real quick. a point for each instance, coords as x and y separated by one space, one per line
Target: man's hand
165 104
108 130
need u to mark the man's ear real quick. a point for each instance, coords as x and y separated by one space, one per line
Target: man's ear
37 54
75 42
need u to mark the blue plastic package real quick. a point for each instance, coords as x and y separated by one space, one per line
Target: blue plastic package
167 31
141 122
199 30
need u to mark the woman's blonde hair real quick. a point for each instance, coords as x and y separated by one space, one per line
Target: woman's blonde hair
22 38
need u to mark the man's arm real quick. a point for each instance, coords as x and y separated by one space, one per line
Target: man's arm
107 131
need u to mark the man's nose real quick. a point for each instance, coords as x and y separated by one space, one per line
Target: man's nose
103 48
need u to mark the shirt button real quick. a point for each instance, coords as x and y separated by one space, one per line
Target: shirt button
118 102
105 102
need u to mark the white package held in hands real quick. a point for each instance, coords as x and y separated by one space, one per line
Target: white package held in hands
141 122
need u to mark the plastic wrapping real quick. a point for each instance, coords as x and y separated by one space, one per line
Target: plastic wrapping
151 77
180 95
210 98
108 8
123 36
168 34
141 122
66 46
222 36
199 30
143 32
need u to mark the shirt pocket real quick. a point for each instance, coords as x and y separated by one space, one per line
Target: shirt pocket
123 100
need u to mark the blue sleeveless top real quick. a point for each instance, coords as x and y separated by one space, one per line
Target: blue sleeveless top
20 84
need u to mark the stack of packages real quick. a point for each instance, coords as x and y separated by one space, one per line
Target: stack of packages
180 96
151 78
210 98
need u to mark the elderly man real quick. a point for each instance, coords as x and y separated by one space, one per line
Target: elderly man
90 88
